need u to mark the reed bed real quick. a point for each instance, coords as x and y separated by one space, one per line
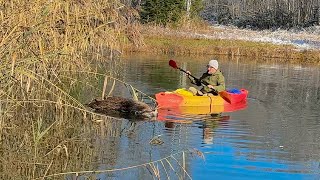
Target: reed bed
50 119
47 49
164 168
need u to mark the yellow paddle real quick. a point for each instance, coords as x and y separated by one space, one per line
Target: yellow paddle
223 94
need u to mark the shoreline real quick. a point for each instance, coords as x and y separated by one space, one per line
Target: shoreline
277 37
222 40
308 39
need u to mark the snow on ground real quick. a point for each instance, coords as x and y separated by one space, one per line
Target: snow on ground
303 39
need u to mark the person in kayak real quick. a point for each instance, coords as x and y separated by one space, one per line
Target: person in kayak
213 77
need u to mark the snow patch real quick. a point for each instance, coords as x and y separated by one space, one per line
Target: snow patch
303 39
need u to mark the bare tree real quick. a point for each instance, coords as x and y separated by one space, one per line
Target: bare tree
264 13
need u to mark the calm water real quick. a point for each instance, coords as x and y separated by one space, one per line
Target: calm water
276 137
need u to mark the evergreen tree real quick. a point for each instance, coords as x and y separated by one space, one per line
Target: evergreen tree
196 7
167 11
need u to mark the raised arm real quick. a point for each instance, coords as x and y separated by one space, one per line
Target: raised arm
192 80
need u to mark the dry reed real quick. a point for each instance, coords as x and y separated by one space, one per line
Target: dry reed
44 125
160 40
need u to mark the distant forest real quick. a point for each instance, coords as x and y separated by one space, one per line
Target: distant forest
263 14
254 14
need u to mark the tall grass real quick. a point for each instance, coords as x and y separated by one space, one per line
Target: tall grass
45 48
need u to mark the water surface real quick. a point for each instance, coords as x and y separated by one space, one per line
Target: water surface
276 137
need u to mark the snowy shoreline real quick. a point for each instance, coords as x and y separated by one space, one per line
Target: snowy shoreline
302 39
307 39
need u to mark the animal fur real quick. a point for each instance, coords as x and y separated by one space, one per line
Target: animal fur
119 106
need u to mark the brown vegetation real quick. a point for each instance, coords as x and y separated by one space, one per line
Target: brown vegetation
46 50
171 41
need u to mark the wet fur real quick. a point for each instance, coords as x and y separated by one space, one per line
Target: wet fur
119 106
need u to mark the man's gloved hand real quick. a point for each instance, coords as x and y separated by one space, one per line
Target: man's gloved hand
198 82
212 89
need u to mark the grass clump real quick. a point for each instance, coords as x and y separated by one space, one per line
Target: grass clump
196 37
45 48
177 42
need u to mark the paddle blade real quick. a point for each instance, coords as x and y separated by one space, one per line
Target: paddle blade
225 96
173 64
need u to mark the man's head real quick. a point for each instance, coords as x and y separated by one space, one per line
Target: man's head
212 66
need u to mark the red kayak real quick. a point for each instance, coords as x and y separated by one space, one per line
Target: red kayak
184 98
182 101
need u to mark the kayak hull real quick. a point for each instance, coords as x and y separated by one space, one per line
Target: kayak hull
182 101
184 98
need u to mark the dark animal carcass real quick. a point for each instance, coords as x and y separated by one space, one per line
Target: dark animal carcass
123 107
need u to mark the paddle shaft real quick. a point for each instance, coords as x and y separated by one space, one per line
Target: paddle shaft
203 82
223 94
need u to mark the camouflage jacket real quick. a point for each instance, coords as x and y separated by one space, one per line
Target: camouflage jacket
216 80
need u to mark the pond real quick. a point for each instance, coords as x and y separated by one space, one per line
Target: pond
277 136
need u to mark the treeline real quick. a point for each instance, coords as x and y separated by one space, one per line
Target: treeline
255 14
263 14
165 12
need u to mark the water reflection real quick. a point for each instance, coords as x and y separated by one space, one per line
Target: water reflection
276 136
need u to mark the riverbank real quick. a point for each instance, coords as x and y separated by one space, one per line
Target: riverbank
217 40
